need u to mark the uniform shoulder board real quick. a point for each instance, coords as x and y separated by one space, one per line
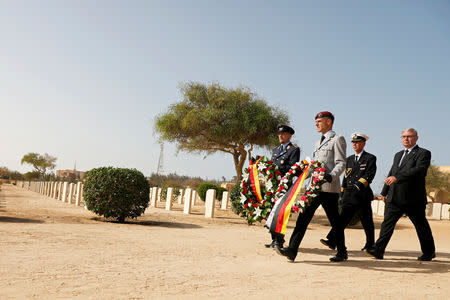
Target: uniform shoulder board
294 145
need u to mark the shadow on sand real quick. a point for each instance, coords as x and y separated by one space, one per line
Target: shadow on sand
18 220
153 223
394 261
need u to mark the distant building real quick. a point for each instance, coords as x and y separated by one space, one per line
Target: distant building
70 175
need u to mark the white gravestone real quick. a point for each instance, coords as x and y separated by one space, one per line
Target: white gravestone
69 198
437 207
65 190
78 194
210 203
153 202
169 198
180 196
224 204
159 194
429 209
445 214
187 201
194 197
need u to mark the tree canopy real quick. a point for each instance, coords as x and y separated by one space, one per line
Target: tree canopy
39 162
436 181
213 118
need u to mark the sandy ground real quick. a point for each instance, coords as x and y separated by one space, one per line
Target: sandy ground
50 249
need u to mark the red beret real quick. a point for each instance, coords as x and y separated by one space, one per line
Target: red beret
325 114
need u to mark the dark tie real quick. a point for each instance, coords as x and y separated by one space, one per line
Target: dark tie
405 153
322 138
356 158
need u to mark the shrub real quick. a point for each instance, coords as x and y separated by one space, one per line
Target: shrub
204 187
235 199
219 192
116 192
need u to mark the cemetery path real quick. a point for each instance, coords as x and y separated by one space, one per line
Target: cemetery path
50 249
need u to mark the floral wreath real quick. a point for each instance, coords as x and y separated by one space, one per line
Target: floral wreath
315 186
257 203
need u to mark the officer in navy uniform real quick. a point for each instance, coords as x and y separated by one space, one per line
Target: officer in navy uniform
284 156
356 192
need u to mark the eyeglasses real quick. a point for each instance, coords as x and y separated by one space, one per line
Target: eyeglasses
408 136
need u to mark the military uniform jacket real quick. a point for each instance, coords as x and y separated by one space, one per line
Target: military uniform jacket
361 174
332 151
285 159
409 191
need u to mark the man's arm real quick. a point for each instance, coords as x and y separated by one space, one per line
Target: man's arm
339 147
295 157
368 176
419 170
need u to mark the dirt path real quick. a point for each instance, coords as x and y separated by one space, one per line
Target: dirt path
50 249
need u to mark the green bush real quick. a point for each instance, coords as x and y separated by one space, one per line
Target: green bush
116 192
204 187
219 192
235 199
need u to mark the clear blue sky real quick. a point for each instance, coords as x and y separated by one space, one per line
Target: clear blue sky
83 80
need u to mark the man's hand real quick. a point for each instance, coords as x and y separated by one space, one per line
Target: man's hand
390 180
328 177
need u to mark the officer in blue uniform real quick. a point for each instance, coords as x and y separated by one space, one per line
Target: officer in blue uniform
284 156
356 193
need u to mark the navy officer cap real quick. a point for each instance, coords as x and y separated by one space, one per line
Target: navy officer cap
285 128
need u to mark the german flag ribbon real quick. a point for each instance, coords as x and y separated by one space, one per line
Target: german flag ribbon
254 179
283 209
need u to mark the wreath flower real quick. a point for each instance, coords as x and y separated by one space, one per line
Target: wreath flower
317 172
257 207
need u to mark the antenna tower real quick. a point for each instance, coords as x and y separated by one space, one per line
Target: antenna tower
160 169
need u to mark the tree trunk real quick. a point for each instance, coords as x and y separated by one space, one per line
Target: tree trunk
239 160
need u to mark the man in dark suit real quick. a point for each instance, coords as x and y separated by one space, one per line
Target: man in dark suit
356 192
404 192
284 156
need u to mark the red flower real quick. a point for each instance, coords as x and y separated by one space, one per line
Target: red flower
255 205
246 205
308 193
295 208
322 169
270 162
303 198
316 180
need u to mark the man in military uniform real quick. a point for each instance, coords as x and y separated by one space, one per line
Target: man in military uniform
330 149
356 192
284 156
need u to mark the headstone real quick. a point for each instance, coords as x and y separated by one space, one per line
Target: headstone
429 209
375 206
224 204
445 214
153 199
78 194
169 198
437 207
59 190
194 197
187 201
65 190
69 198
210 203
159 194
380 210
180 196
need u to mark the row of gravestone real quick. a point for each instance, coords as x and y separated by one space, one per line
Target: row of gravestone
63 191
188 197
73 193
435 211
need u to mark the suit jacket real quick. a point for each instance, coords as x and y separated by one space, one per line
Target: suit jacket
361 174
285 159
332 151
409 191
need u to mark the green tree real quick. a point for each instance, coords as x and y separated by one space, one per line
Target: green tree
436 181
4 172
213 118
39 162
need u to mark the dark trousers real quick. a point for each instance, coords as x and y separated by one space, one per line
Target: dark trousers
278 238
329 202
392 214
364 211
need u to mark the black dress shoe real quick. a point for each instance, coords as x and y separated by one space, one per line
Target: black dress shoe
373 252
328 244
287 252
271 245
339 257
427 257
366 247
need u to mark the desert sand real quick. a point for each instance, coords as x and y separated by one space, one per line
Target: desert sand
54 250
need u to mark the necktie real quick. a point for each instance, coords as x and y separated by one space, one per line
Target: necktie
322 138
356 158
403 156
